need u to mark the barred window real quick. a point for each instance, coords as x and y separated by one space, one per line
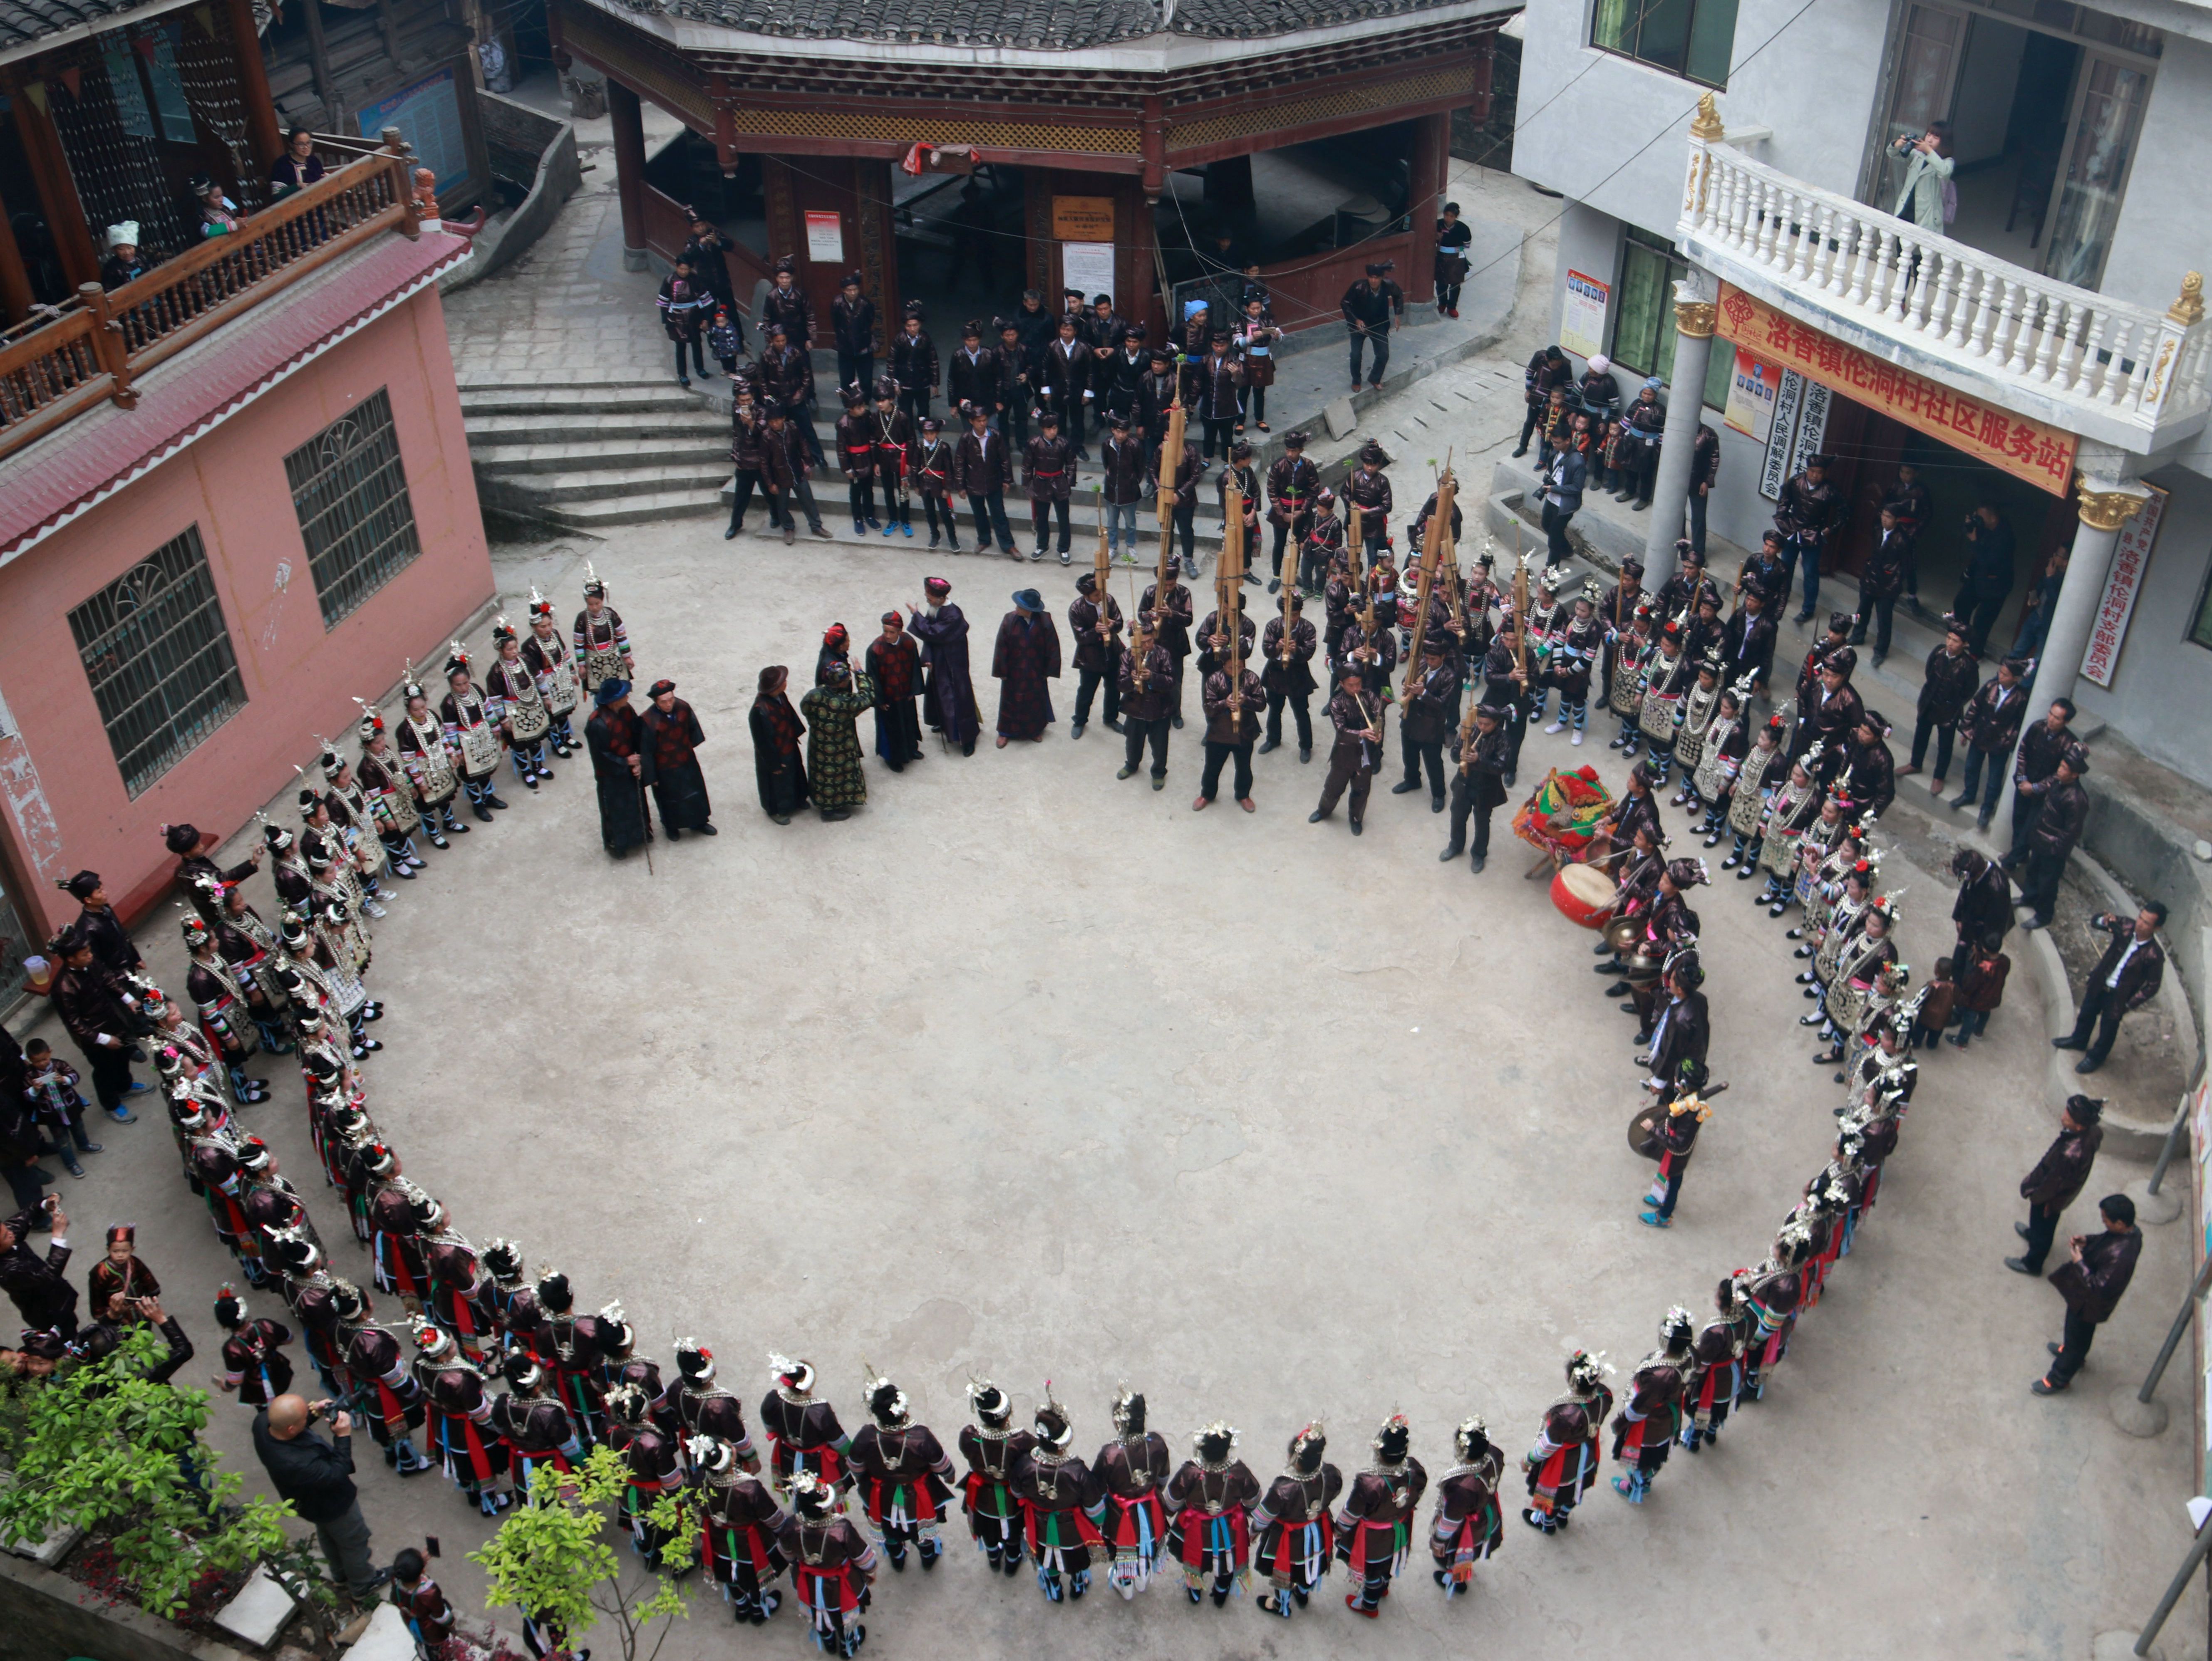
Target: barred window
158 655
350 493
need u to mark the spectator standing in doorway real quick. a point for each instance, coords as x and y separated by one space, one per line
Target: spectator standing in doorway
852 326
1928 165
706 248
1988 575
1705 474
2035 621
2092 1280
1909 501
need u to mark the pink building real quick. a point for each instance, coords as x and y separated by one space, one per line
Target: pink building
235 495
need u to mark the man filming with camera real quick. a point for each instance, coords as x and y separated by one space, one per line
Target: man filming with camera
317 1477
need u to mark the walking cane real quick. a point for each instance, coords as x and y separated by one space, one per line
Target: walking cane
645 810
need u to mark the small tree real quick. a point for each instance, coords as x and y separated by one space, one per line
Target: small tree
551 1559
101 1448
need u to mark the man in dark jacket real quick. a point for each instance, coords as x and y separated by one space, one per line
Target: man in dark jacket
1948 684
1705 474
99 927
853 329
101 1017
1983 907
1989 574
1881 580
317 1477
1912 506
787 303
974 374
40 1290
2059 1176
1479 785
2034 770
1367 317
983 470
1547 369
2097 1272
2127 977
2057 828
1991 726
1810 507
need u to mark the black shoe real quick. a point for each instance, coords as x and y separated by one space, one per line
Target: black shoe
1358 828
1115 725
1274 584
1305 752
1178 723
1076 731
1616 990
2069 1044
1267 744
2052 1348
481 812
1405 785
492 800
1451 853
1522 451
1315 816
2018 1265
674 834
1436 804
2020 1229
731 534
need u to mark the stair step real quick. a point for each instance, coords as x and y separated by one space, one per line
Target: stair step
706 451
540 400
595 515
561 380
606 483
567 427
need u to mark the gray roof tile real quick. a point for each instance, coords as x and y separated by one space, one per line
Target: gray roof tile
1049 25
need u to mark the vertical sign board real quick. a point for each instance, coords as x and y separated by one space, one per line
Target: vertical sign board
1751 389
2131 559
1788 400
1582 317
427 113
825 239
1088 266
1812 428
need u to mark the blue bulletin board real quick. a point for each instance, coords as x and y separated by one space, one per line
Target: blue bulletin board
427 113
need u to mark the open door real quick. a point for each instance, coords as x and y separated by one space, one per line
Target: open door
2106 121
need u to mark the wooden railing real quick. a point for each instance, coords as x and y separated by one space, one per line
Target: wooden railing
93 349
2101 366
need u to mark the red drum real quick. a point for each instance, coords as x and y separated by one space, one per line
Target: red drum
1584 895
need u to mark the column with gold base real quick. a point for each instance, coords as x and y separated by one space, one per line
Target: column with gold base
1694 312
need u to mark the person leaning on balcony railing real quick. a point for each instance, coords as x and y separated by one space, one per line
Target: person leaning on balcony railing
1926 197
219 214
123 264
297 169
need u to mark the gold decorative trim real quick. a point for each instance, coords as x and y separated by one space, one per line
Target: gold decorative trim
1696 318
2106 510
1322 106
2190 308
1707 125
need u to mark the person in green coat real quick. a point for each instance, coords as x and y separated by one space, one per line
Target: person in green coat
1928 164
833 741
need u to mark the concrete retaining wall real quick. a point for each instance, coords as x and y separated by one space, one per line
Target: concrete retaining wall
47 1617
524 144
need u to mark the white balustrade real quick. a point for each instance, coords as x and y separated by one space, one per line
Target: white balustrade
2134 371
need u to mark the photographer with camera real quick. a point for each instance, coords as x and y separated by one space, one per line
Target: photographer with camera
1988 576
1925 196
41 1292
317 1477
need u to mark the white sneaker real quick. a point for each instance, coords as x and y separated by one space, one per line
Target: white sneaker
374 909
1557 726
1577 738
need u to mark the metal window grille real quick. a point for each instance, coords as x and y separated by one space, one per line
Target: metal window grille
350 493
158 655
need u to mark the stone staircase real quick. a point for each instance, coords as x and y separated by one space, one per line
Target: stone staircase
593 455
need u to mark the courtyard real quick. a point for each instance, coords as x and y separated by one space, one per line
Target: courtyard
1029 1075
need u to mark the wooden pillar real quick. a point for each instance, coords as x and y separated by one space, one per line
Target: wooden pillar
1431 168
1136 266
57 199
15 296
261 130
319 61
879 261
628 119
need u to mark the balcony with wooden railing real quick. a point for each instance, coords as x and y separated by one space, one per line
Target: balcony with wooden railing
56 367
2114 373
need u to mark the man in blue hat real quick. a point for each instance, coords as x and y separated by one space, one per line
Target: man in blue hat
1026 656
622 764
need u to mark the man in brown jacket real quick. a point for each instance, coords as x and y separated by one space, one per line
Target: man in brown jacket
2097 1272
2058 1177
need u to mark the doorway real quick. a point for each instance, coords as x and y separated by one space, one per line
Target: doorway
2044 118
1871 448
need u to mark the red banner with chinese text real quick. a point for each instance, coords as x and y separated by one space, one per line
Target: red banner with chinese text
2027 449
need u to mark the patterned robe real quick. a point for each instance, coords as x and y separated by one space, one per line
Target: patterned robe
833 744
1026 656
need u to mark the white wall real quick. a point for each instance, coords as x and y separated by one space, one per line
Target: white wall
1814 85
2164 687
2163 229
1590 242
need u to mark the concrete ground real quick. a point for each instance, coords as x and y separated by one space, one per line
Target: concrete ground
1042 1076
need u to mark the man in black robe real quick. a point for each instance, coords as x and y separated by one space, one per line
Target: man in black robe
777 761
1026 656
948 695
894 664
623 767
672 736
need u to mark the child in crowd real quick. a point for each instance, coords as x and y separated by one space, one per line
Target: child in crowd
1981 988
57 1106
1936 1004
